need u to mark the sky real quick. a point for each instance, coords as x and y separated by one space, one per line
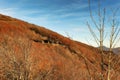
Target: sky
66 17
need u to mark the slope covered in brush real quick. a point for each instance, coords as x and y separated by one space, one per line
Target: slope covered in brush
41 54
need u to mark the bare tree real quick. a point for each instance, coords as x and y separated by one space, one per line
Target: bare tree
114 39
99 38
100 26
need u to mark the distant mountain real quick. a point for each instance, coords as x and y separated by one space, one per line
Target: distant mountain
105 48
116 50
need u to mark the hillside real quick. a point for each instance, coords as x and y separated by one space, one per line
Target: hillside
36 53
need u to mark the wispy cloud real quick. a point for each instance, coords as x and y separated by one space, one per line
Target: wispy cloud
8 11
72 7
80 29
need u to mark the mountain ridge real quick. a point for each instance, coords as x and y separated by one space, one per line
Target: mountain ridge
115 50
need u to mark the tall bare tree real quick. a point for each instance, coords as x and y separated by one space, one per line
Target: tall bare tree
113 37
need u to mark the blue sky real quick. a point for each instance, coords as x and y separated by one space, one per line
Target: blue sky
62 16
